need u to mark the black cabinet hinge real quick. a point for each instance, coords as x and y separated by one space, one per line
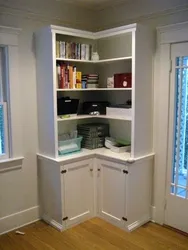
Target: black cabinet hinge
125 219
65 218
125 172
63 171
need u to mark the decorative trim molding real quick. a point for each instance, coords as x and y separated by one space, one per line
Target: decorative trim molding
153 211
149 16
20 219
139 223
11 164
53 223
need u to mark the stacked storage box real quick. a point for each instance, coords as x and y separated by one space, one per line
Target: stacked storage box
93 134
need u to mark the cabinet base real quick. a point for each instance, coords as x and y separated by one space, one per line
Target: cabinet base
53 223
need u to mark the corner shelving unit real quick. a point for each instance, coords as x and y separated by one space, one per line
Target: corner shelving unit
124 49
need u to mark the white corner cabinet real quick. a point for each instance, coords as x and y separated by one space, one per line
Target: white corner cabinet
96 186
116 187
126 49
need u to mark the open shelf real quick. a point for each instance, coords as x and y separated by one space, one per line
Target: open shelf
81 117
96 89
95 62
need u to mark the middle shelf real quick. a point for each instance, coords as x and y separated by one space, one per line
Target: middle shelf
82 117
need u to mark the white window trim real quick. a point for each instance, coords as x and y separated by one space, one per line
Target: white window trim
9 39
166 36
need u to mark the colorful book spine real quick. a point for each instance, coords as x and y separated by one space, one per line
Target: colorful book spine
67 77
70 77
58 76
57 49
74 77
62 78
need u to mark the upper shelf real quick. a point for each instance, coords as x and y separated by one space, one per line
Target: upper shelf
96 89
95 62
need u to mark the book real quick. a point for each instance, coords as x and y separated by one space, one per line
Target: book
66 77
70 77
57 49
83 51
74 77
62 78
58 75
87 52
62 49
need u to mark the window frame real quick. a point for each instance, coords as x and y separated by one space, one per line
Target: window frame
9 38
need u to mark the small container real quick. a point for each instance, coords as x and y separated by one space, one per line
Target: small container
120 148
69 146
95 56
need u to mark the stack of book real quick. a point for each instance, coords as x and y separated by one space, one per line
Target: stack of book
92 81
71 50
93 134
68 77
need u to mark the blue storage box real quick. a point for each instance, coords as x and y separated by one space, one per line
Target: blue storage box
69 146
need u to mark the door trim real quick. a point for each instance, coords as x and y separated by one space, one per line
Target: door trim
166 36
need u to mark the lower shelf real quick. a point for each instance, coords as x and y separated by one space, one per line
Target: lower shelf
99 151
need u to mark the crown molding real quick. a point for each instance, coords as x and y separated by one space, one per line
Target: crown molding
10 30
43 17
150 16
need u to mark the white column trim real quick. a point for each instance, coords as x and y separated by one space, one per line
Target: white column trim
166 36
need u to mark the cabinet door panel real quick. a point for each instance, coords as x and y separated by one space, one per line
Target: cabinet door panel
79 189
112 192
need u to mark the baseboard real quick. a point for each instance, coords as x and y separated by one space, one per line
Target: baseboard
17 220
153 210
138 223
53 223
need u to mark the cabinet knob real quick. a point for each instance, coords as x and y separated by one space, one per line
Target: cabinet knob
98 169
91 169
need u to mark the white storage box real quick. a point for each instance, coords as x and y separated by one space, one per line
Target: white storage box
123 112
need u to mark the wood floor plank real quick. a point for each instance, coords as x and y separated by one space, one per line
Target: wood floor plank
95 234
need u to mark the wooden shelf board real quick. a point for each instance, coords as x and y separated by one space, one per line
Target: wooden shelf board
81 117
95 62
96 89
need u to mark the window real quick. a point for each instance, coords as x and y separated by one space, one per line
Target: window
4 142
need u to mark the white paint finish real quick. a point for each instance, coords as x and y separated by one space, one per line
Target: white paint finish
108 117
139 191
17 220
79 191
46 96
87 192
176 207
95 89
112 192
161 111
142 94
50 191
11 164
95 62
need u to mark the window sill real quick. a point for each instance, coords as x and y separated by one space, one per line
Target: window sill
11 164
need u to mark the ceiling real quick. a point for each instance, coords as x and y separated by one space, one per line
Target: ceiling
95 4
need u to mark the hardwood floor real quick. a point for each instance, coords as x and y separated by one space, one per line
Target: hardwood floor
94 234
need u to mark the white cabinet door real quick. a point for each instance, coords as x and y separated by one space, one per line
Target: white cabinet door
78 191
112 192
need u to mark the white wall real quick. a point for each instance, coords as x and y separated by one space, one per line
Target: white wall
18 188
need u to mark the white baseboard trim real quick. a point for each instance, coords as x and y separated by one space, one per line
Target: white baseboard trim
153 211
139 223
53 223
20 219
